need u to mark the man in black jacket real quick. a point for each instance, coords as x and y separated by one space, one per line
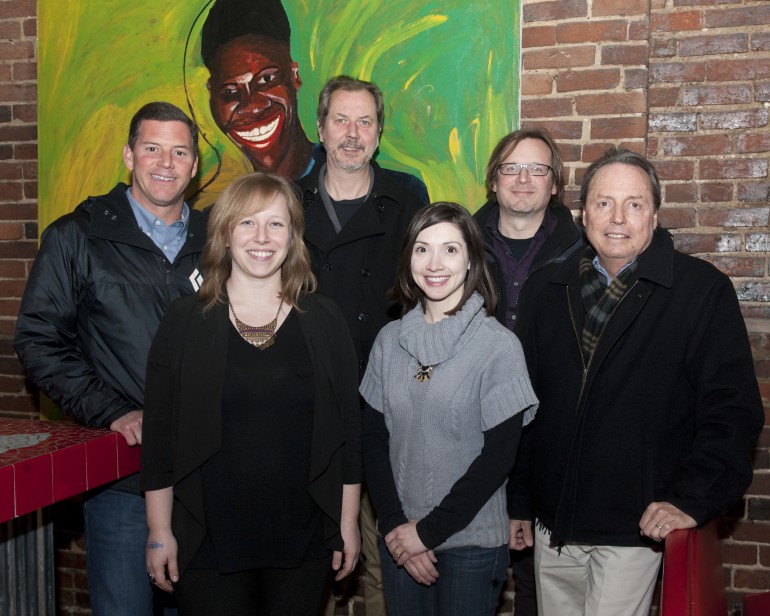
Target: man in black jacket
102 280
526 226
356 214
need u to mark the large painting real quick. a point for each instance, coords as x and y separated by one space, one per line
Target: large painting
448 69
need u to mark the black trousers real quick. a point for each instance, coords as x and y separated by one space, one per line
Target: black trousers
264 592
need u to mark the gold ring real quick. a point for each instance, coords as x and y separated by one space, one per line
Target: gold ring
659 526
397 553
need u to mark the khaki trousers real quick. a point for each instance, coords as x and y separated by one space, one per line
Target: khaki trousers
374 599
594 580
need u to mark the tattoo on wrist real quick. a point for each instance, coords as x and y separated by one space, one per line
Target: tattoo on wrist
154 545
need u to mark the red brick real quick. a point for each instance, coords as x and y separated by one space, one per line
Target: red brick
751 578
5 72
611 103
736 70
762 91
618 128
676 22
12 269
18 211
753 142
639 30
625 55
539 36
30 170
591 32
713 44
755 15
17 8
24 71
695 243
738 267
546 108
717 94
565 129
760 484
10 171
704 2
16 50
686 192
695 145
570 152
675 170
594 150
30 27
760 41
676 217
10 191
672 122
635 78
25 151
677 72
591 79
18 92
557 57
733 169
600 8
23 249
740 554
756 292
10 29
663 48
753 191
534 84
25 113
731 120
757 242
764 556
18 132
663 96
30 190
716 192
555 10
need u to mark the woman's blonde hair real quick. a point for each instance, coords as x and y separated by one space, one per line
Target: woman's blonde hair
248 195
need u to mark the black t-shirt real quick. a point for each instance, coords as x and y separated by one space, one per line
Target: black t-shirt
258 510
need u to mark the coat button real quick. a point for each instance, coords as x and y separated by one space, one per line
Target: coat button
362 316
327 267
365 272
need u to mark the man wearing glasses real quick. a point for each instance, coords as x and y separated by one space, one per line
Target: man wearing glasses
526 226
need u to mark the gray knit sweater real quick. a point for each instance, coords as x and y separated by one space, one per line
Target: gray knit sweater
436 427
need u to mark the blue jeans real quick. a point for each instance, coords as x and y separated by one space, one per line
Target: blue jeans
469 584
116 535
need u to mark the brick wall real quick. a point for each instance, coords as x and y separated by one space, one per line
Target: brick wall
685 81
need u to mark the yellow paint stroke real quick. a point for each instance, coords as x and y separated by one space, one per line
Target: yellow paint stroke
313 38
394 36
474 126
454 144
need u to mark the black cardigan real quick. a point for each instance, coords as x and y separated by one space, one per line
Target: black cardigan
182 415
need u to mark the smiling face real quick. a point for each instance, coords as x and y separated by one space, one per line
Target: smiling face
253 89
350 133
525 194
162 164
619 215
439 266
259 242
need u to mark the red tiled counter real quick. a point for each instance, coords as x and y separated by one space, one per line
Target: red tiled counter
42 462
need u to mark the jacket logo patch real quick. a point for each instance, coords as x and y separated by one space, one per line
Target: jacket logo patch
196 279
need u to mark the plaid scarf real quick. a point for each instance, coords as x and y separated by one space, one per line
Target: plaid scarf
599 300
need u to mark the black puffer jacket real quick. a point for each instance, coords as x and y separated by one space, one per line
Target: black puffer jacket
95 296
357 267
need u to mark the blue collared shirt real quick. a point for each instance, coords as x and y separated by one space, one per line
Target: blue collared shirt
603 272
169 238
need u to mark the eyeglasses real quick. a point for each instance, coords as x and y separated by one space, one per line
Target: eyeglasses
517 168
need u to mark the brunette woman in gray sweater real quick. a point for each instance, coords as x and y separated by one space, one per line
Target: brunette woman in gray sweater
447 394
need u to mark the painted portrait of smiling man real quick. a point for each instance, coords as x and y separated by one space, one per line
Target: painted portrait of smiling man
249 72
253 84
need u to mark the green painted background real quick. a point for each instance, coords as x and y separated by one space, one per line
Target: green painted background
449 70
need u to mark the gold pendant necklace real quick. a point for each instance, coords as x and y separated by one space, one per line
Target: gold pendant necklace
423 373
261 336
